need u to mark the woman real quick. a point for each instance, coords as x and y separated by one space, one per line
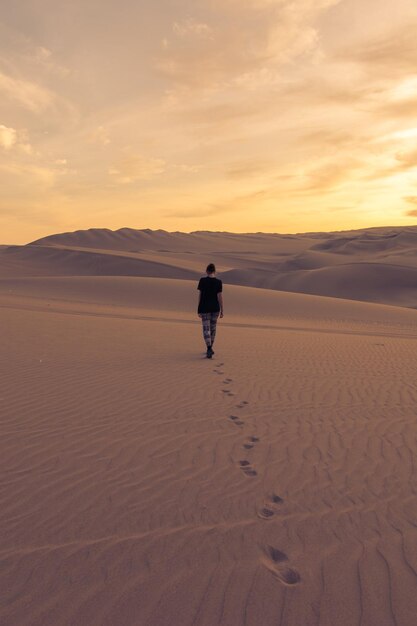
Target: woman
210 305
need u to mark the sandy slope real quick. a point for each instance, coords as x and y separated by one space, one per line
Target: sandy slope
375 265
144 485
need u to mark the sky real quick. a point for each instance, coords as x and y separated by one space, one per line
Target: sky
229 115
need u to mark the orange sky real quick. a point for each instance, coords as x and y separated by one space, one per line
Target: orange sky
240 115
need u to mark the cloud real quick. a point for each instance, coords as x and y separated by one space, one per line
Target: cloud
8 137
399 100
235 204
29 95
246 169
216 114
99 135
406 89
211 101
405 109
26 148
31 174
190 26
239 39
45 59
324 177
42 53
407 160
134 168
412 213
189 169
389 53
330 137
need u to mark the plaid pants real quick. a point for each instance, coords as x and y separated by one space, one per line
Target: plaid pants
209 327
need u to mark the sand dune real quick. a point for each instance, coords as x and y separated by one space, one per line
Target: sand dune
359 281
46 261
144 485
374 265
129 239
177 299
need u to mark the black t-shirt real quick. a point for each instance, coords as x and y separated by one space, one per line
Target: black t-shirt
209 288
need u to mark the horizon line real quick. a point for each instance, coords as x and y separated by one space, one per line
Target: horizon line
215 232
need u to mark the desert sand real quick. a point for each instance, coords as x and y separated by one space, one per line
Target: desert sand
374 265
145 485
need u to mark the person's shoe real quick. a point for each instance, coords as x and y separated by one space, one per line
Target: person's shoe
209 352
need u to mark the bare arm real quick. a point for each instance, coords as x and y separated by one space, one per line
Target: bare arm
220 299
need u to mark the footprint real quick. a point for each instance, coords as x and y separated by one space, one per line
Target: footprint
247 468
289 576
226 381
241 405
268 510
236 420
277 555
250 442
276 561
266 513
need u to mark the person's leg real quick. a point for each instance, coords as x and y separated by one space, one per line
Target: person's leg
213 324
205 318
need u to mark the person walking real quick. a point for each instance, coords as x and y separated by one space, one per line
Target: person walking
210 305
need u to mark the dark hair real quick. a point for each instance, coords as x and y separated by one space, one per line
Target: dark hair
211 268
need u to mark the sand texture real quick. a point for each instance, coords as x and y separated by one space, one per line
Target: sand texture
145 485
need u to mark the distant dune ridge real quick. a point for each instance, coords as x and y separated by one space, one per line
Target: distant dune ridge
375 265
145 485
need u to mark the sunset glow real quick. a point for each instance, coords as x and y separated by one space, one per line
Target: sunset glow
249 115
